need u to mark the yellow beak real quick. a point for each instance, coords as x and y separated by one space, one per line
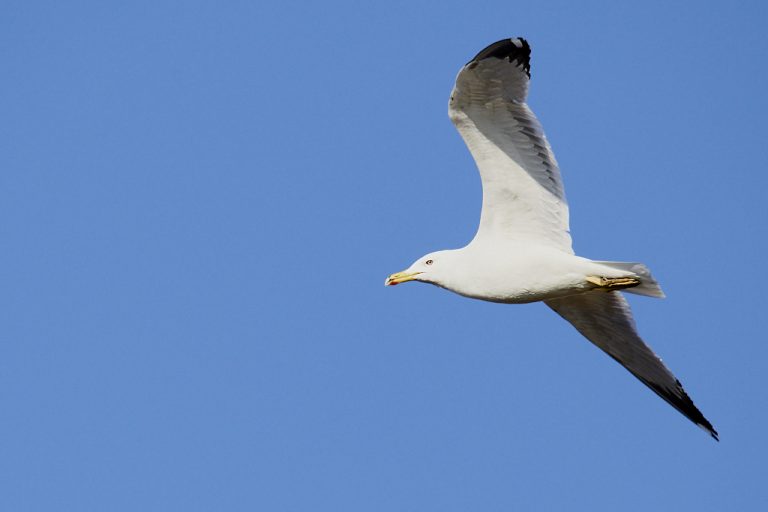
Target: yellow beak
401 277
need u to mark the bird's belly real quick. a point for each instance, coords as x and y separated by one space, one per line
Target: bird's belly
525 294
525 284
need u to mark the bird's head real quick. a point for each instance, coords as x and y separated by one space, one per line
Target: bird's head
428 269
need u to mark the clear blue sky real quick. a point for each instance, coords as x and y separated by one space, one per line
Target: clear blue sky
200 202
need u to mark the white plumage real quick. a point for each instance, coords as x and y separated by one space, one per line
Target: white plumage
522 250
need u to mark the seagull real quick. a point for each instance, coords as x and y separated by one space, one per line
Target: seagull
522 250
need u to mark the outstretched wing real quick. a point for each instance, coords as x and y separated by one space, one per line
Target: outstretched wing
605 319
523 197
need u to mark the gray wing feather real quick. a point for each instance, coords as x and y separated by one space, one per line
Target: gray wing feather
523 193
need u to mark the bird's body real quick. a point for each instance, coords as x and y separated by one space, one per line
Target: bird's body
522 250
514 274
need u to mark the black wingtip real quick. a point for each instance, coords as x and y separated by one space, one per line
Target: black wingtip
690 410
680 400
515 49
710 429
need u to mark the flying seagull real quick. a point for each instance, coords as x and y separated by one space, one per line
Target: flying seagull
522 250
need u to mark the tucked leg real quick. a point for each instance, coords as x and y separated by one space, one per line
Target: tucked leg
613 283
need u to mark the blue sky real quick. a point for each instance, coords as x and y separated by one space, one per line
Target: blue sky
200 203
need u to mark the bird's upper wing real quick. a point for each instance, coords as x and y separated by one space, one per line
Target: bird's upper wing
606 320
523 195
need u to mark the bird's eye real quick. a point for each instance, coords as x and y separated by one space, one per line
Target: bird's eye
429 262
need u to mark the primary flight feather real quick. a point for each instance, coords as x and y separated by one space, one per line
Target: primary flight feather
522 249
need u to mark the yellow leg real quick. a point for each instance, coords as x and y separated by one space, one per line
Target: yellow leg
613 283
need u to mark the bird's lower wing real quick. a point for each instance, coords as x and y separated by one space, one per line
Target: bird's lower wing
605 319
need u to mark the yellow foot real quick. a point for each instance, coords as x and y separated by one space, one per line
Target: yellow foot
613 283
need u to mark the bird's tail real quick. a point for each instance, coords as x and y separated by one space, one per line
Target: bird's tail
648 285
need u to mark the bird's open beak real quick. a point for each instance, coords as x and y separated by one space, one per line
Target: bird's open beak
401 277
